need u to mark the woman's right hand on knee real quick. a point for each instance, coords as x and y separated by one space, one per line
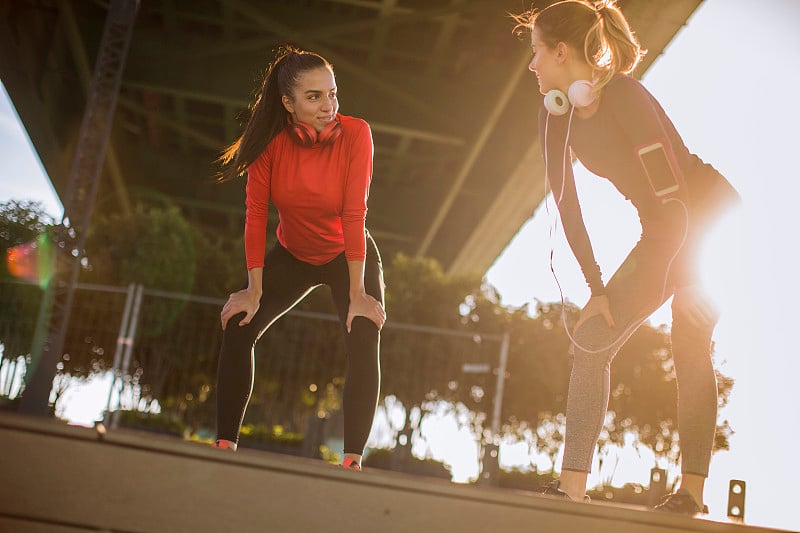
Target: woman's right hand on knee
597 305
244 301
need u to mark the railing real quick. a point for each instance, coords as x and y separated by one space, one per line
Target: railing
163 349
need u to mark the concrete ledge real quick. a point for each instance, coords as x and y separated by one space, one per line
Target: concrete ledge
60 478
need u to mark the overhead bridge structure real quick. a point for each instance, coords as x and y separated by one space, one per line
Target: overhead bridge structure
443 83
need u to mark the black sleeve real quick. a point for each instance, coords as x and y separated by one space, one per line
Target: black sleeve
558 170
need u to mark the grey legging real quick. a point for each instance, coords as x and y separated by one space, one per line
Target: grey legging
635 291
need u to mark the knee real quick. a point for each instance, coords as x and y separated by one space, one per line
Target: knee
594 338
585 359
586 363
690 345
239 339
363 332
362 326
363 338
688 338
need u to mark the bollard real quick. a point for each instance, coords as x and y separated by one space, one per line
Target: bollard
736 490
658 485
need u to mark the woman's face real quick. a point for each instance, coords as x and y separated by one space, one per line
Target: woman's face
313 99
544 63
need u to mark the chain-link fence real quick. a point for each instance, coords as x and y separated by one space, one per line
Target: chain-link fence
163 349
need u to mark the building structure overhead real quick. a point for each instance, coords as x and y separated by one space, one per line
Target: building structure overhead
443 83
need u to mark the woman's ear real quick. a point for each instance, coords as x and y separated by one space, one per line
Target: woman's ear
288 104
561 52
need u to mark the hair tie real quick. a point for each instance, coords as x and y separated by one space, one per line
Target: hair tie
599 7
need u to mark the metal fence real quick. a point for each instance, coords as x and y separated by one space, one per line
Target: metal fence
163 347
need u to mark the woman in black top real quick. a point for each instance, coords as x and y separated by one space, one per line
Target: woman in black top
582 56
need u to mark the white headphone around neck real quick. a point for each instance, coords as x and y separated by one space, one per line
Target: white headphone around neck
580 94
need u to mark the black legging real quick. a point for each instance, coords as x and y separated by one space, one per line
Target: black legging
286 280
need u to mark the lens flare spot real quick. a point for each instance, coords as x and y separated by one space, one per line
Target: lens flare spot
31 261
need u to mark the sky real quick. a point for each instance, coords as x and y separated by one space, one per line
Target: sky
727 81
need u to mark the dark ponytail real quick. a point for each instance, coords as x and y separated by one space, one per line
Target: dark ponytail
268 116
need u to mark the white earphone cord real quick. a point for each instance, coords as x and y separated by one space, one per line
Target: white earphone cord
554 228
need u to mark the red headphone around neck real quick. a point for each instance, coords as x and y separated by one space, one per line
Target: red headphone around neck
305 135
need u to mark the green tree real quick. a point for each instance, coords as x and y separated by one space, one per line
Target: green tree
176 349
419 292
25 236
24 224
157 247
415 366
643 397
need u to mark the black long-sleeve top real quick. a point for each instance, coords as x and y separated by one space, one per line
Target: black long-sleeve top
607 144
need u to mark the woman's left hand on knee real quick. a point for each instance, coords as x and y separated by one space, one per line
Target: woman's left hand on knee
366 306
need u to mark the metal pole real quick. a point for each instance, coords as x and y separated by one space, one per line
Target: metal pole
122 340
130 341
490 451
501 384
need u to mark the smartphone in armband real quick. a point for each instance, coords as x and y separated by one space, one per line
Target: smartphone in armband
661 170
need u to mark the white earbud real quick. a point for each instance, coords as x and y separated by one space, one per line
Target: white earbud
580 94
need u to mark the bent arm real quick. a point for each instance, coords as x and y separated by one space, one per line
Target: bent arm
257 210
560 176
254 281
356 270
357 182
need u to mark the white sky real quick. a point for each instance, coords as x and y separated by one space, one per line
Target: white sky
728 81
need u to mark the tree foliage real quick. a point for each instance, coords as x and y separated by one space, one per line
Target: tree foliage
176 349
22 223
25 231
643 397
157 247
419 292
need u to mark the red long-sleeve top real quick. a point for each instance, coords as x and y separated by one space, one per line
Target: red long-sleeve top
320 193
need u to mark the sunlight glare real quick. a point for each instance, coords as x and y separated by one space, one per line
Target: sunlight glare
31 261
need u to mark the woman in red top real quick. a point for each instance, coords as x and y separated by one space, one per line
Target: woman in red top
316 166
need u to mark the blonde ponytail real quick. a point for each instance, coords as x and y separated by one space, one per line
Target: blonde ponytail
617 50
600 29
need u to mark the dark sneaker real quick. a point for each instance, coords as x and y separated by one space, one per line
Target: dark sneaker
350 464
680 502
553 490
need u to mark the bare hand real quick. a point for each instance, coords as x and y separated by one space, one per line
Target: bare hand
241 301
690 302
597 305
366 306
